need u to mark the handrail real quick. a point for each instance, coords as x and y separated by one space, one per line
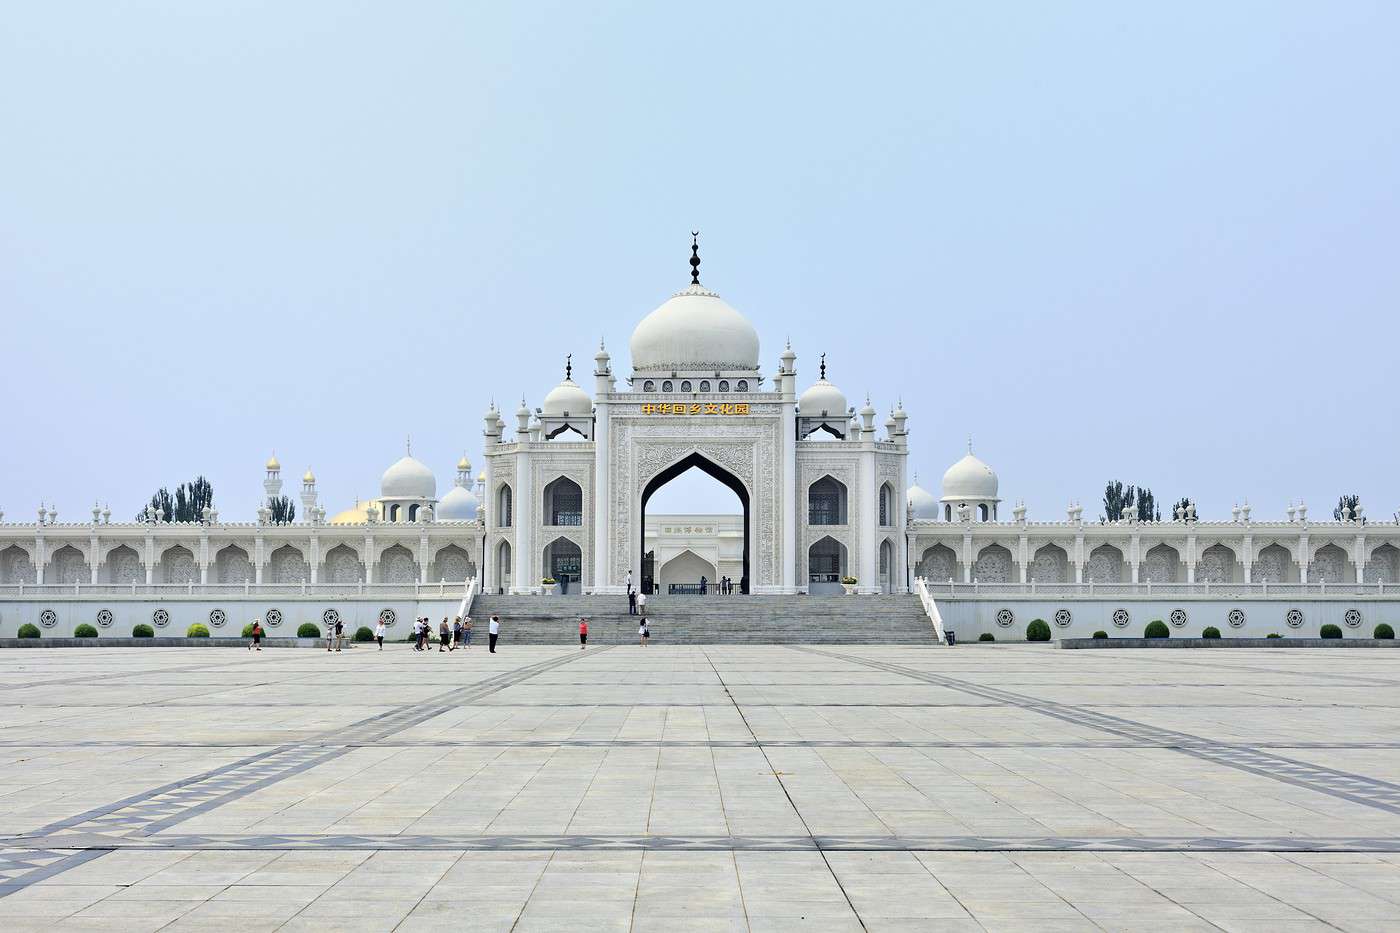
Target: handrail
930 608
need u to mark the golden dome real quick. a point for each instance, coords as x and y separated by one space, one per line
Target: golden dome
309 477
357 515
272 463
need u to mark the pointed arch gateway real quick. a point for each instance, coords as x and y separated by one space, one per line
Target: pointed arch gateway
714 470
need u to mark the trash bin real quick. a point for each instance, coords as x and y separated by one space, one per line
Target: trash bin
950 637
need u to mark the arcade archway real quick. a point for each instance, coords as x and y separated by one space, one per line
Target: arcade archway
710 468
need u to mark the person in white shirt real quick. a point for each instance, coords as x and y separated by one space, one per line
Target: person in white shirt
642 603
379 634
492 631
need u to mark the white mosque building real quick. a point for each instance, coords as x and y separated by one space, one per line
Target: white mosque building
825 507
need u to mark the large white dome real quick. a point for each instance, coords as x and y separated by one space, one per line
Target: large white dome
969 480
694 331
923 503
567 398
459 505
408 479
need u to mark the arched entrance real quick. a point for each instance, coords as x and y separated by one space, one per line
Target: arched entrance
696 461
563 563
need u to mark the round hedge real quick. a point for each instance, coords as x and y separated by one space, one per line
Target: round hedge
1210 632
1157 629
84 631
363 633
198 630
142 630
29 630
1383 631
1273 635
308 630
1038 630
1100 635
1331 631
986 636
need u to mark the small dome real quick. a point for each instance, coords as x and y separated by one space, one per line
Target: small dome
308 477
481 477
694 331
408 479
822 399
464 464
969 479
567 399
272 463
459 505
923 503
356 515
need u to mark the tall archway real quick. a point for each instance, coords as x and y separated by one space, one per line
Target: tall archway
563 502
826 565
563 563
710 468
503 569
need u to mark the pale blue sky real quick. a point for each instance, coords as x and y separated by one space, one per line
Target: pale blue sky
1154 243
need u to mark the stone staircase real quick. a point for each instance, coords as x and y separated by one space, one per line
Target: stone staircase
709 620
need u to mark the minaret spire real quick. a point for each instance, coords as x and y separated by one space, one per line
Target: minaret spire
568 367
408 444
695 257
823 365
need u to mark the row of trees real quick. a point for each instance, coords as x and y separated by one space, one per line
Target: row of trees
187 504
1117 497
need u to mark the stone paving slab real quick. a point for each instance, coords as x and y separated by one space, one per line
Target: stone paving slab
704 788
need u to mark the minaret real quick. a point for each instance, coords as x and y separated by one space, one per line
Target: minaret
464 473
272 483
308 494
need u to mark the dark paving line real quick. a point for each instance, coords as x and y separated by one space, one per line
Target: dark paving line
785 843
160 808
706 743
1357 788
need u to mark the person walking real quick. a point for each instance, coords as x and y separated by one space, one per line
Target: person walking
642 604
330 636
643 632
257 636
456 633
379 634
467 632
420 634
493 631
339 634
444 634
582 634
703 584
631 596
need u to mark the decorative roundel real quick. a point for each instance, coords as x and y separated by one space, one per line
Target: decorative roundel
1294 617
273 617
104 617
1005 618
48 618
1063 617
1352 617
1121 617
386 616
1178 617
160 617
217 617
330 617
1235 617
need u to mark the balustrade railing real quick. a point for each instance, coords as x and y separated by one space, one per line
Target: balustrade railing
1264 590
441 588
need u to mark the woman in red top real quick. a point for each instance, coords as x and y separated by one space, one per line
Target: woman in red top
582 634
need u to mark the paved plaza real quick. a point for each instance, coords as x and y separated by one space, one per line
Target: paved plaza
675 788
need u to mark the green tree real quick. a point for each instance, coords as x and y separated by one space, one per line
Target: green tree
284 511
1350 502
1182 503
1115 500
188 502
1147 510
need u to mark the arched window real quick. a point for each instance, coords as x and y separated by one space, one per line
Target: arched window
413 513
724 385
393 513
885 505
704 385
947 511
741 386
826 502
982 511
563 502
667 386
503 507
649 386
685 386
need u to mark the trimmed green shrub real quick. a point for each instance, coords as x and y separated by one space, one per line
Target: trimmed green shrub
1156 629
986 636
1331 631
363 633
1273 635
1210 632
198 630
1383 631
84 631
248 630
1038 630
308 630
1100 635
142 630
29 630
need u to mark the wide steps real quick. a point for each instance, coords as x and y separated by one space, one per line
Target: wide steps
545 620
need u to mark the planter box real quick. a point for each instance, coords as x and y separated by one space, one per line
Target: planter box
1228 643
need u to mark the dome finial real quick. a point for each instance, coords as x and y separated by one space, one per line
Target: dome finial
695 257
823 365
969 443
568 366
